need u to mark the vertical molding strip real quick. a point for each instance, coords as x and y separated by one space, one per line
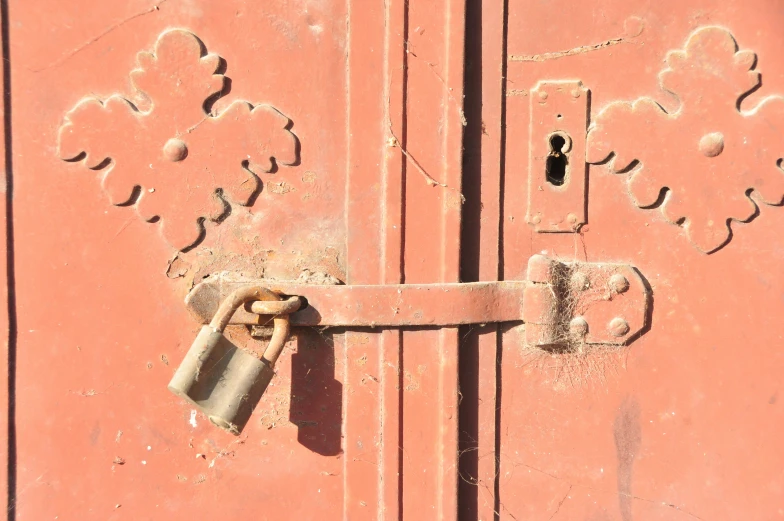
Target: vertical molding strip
374 230
489 343
452 173
364 221
387 199
395 76
7 295
432 216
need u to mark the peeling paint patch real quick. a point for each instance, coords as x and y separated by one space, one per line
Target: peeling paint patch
281 188
192 421
177 267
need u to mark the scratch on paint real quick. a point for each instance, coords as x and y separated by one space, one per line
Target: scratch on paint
570 52
560 503
111 28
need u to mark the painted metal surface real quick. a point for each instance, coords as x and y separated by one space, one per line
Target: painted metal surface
370 96
357 149
721 134
170 152
685 147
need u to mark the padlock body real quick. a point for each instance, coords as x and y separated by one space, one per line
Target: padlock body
222 380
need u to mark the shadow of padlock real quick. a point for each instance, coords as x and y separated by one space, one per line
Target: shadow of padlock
222 380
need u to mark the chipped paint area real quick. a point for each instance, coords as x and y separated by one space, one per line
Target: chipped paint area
246 252
192 421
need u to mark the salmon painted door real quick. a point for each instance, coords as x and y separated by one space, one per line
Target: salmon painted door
154 144
679 109
531 252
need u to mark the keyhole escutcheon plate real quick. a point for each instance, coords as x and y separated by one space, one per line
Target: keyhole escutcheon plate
557 169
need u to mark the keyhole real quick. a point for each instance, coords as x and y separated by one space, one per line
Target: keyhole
556 161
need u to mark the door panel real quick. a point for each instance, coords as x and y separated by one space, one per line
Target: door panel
404 210
354 421
98 434
681 423
342 142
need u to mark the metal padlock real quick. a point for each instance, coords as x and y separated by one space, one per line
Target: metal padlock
222 380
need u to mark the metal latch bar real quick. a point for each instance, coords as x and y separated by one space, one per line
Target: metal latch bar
560 303
392 305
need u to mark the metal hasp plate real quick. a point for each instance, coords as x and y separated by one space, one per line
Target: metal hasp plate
557 168
567 305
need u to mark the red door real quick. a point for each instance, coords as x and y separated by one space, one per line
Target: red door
684 181
537 244
302 116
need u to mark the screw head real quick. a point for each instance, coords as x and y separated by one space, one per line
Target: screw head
712 144
542 95
576 93
578 326
536 219
618 327
175 150
618 283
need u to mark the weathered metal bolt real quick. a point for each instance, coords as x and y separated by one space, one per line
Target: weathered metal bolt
542 95
536 219
175 150
578 326
618 283
580 281
571 218
576 93
540 268
711 145
618 327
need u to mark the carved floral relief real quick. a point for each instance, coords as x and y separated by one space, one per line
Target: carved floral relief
716 158
170 158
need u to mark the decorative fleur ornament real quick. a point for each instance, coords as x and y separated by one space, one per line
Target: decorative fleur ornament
179 163
712 160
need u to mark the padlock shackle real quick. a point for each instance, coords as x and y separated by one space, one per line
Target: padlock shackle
280 333
237 298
